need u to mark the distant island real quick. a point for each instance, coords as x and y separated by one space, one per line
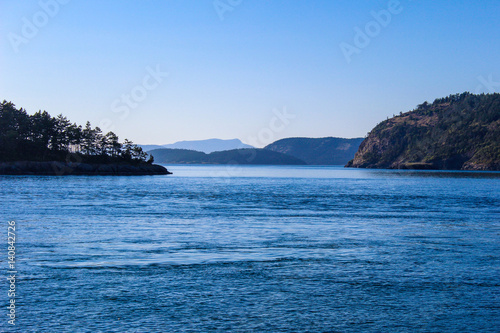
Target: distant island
318 151
235 156
458 132
206 146
291 151
40 144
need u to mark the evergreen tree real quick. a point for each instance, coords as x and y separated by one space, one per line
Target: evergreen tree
41 137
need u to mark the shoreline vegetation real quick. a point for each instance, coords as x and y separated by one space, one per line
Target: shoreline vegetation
40 144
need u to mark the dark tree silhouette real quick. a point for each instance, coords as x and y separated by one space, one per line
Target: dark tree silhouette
41 137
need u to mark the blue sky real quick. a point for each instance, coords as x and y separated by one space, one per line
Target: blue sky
233 65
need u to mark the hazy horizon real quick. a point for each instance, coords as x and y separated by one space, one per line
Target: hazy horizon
229 139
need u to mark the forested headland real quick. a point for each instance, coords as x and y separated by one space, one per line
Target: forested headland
43 138
458 132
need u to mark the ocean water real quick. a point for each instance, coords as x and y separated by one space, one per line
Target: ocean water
255 249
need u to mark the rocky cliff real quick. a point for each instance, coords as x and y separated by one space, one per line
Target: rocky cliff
458 132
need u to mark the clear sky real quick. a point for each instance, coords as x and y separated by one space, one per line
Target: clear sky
335 67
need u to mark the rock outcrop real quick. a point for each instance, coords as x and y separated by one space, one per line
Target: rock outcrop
459 132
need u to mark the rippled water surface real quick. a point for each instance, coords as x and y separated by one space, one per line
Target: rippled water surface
256 249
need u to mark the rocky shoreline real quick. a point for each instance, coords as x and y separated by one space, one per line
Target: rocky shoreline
458 132
54 168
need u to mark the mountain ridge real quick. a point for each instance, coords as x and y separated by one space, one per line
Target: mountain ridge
318 151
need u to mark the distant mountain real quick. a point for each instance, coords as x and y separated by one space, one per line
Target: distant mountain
150 147
208 146
321 151
460 131
235 156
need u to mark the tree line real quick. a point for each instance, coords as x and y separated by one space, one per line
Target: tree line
41 137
